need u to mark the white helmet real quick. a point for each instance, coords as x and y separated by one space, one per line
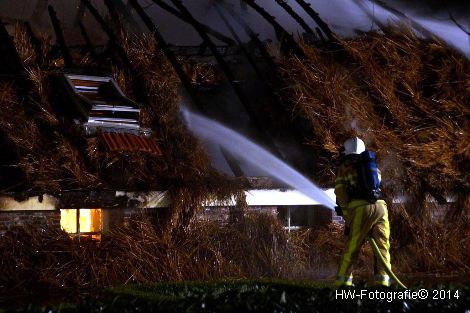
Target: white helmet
354 146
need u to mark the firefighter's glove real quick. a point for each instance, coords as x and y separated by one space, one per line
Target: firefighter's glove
338 210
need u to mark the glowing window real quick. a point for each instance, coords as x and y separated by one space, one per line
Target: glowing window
81 222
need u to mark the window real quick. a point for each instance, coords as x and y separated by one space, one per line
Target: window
82 222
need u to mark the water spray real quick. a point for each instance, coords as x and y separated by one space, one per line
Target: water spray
257 156
252 153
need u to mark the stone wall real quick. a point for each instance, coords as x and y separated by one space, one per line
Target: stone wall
10 219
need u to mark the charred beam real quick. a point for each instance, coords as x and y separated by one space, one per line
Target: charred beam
180 72
116 19
232 163
316 17
320 34
166 51
10 62
206 28
254 38
228 74
88 44
286 39
60 37
137 81
125 12
245 52
452 18
79 15
114 40
283 4
270 81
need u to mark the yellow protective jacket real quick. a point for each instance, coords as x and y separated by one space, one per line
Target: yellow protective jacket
363 219
345 184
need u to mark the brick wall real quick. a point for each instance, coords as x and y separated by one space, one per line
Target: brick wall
302 216
222 214
10 219
124 216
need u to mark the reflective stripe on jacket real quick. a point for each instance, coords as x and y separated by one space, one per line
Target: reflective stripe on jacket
346 182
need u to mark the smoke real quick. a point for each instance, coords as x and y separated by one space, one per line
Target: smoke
392 168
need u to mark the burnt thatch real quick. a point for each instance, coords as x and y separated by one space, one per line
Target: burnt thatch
45 258
47 153
405 96
136 253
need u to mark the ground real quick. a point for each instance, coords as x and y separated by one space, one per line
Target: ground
266 296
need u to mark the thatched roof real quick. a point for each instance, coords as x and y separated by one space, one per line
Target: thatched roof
406 96
46 152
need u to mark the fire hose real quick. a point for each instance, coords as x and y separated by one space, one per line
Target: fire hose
376 250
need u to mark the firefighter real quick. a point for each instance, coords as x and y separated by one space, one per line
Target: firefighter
364 211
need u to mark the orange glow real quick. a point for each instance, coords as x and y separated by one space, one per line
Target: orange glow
68 220
89 220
